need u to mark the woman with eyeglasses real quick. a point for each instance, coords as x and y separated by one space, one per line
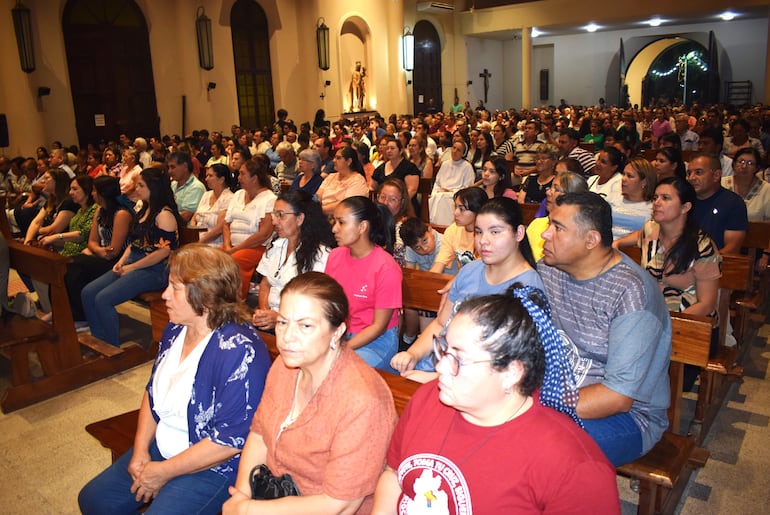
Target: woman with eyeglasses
752 189
302 242
394 195
479 439
564 182
505 258
535 185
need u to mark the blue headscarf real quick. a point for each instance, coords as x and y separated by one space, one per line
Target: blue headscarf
559 390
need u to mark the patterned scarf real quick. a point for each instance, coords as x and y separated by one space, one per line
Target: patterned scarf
559 390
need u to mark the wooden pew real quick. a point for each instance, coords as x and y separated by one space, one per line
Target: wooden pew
58 345
424 190
664 471
117 433
528 211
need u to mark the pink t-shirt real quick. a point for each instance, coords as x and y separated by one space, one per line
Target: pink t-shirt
372 282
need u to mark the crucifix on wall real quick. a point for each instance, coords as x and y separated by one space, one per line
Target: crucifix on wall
486 75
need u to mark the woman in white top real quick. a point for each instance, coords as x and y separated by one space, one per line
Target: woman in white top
248 226
302 244
205 386
349 181
453 176
606 181
637 185
217 157
212 208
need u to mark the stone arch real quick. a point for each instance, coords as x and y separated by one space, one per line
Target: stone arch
640 75
251 56
110 69
354 48
427 67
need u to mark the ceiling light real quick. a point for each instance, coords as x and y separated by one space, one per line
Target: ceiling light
654 22
592 27
535 33
727 15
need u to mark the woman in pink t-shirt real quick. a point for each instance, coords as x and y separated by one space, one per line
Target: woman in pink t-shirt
365 268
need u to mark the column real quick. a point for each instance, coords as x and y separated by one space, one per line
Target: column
526 67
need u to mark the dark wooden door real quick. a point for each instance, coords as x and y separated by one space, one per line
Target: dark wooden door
427 67
110 67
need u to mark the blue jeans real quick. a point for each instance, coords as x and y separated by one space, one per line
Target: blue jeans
618 437
102 294
379 351
110 491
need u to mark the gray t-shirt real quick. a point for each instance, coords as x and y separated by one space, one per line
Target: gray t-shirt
617 330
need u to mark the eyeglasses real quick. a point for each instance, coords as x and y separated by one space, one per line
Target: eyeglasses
280 215
745 162
440 351
555 189
384 199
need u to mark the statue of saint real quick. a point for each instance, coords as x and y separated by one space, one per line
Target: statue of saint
357 88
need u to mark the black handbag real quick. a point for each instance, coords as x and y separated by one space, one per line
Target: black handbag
264 485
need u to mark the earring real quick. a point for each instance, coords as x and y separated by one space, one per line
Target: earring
333 345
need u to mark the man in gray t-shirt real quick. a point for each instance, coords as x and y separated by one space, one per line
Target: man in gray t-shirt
615 324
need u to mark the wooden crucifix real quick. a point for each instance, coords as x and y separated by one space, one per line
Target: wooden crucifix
486 75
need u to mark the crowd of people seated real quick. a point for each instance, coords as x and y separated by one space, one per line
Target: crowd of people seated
321 223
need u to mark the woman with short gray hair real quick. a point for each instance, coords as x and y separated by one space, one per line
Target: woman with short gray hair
309 178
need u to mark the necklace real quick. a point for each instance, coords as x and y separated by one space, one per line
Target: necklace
282 259
601 270
485 440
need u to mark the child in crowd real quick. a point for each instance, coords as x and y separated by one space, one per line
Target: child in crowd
422 246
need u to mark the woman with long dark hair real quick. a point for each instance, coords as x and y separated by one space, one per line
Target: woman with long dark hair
505 258
668 163
348 181
681 257
364 233
303 240
481 154
143 265
213 205
59 207
106 242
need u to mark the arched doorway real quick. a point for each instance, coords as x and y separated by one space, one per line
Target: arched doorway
251 52
110 69
673 70
427 68
356 66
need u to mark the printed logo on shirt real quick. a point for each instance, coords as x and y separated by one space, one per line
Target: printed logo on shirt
464 257
580 366
362 292
432 484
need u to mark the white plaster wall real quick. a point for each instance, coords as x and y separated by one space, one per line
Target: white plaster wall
485 53
581 61
512 73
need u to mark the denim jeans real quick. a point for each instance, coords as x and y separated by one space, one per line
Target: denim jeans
101 296
618 437
379 351
109 492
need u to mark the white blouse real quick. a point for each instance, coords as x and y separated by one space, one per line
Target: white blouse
244 218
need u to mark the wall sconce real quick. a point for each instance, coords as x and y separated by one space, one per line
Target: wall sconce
205 44
469 83
211 85
43 91
322 43
22 25
408 49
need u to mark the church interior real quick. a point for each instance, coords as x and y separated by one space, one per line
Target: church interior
89 70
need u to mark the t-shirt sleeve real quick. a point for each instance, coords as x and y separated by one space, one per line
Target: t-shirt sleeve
388 285
739 221
446 253
588 487
358 189
69 205
633 343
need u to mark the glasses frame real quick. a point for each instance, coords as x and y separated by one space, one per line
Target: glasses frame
280 215
440 351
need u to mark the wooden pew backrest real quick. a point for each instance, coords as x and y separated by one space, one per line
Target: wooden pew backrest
419 289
